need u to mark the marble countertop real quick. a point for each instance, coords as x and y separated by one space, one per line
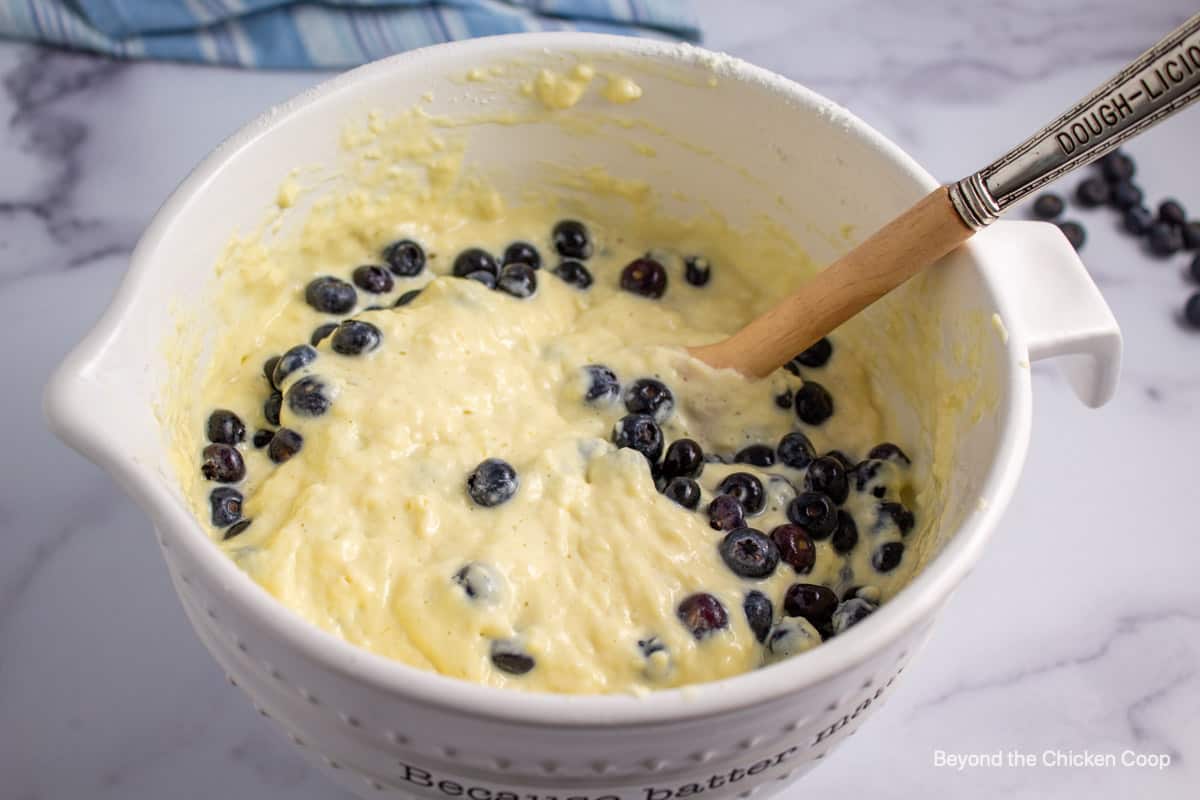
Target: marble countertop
1080 631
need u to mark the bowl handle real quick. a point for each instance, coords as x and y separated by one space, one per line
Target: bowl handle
1057 306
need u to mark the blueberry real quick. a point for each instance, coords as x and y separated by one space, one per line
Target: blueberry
603 386
639 432
645 277
330 295
522 253
649 396
827 476
296 358
1092 192
405 258
746 489
1164 239
571 239
1138 220
814 602
492 482
725 513
373 278
355 337
321 333
507 656
406 298
789 638
474 259
784 399
816 356
697 271
841 458
262 438
271 407
684 458
285 444
1191 235
886 451
863 476
222 463
795 547
225 427
1172 213
480 582
815 512
519 280
850 613
1117 166
482 276
226 506
684 491
749 553
307 397
898 514
651 645
269 370
759 455
1074 232
1048 206
760 613
1191 311
1126 195
795 450
887 556
814 404
702 614
845 537
574 273
236 529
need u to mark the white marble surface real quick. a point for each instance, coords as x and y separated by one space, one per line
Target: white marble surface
1079 631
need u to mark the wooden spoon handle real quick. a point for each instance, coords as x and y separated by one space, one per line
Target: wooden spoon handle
892 255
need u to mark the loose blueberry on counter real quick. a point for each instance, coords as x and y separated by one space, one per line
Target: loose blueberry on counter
1074 232
684 491
405 258
816 356
373 278
481 583
1126 195
684 458
760 614
814 404
697 271
493 482
574 273
296 358
784 399
795 546
518 280
1171 212
758 455
702 614
355 337
1117 166
725 513
1164 239
845 537
748 553
406 298
887 556
226 504
272 406
474 259
646 277
225 427
269 370
639 431
236 529
285 444
899 514
330 295
1138 220
1191 235
262 438
222 463
816 513
1092 192
649 396
1191 311
571 239
746 489
795 450
522 253
827 476
789 638
814 602
507 656
307 397
886 451
1048 206
321 333
849 613
603 386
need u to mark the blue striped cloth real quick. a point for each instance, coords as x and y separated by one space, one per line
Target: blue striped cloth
283 34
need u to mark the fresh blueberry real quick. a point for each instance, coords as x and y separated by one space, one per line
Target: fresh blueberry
702 614
355 337
887 556
1164 239
749 553
373 278
760 614
236 529
795 547
697 271
285 444
406 298
790 638
492 482
222 463
684 491
758 455
1048 206
1172 213
225 427
519 280
846 536
480 582
226 504
603 386
1074 232
272 406
571 239
1138 220
898 514
321 333
474 259
639 432
886 451
1191 235
849 613
827 476
645 277
1191 311
841 458
482 276
307 397
296 358
522 253
795 450
405 258
330 295
814 602
684 458
269 370
1117 166
746 489
816 356
864 474
262 438
650 396
784 399
1126 195
814 404
574 273
815 512
507 656
725 513
1092 192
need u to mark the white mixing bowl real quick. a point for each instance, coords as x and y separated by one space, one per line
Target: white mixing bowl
382 727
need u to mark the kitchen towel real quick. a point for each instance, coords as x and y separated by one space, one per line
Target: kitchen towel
302 34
